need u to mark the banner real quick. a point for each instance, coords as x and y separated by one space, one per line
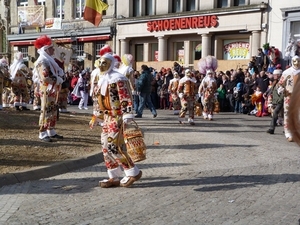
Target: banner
31 16
63 54
236 49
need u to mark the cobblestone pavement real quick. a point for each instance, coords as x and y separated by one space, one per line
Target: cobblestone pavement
226 171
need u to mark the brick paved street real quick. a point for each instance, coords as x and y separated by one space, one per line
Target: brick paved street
226 171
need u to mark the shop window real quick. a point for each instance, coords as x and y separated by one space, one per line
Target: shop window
80 49
136 8
197 46
139 52
22 2
154 52
239 2
79 8
98 46
176 6
179 52
24 50
190 5
149 7
222 3
59 8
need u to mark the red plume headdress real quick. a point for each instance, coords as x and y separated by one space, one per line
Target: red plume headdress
42 41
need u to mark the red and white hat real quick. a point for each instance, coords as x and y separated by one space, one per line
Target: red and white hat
105 49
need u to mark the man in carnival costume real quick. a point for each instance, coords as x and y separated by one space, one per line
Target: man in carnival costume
173 86
207 90
50 77
4 84
187 94
19 72
115 103
94 89
127 70
287 82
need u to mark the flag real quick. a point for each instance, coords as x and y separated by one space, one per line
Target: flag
93 11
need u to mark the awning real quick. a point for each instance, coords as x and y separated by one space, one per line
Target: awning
64 40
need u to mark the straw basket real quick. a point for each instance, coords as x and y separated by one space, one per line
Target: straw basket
134 141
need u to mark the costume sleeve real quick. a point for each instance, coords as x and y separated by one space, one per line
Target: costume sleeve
125 98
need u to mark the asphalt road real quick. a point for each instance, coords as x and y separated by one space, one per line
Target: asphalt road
226 171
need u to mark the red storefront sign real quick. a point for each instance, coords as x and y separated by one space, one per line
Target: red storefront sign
183 23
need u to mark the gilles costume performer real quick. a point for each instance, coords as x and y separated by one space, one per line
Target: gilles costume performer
50 77
205 64
173 87
287 81
94 90
187 94
127 70
19 72
207 90
115 103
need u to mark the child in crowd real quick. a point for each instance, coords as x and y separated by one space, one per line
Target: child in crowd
257 99
163 96
238 95
221 97
247 105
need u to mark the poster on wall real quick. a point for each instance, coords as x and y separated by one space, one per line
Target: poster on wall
31 16
53 24
236 49
181 56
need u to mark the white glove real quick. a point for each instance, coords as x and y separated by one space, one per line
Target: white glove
138 93
127 120
280 90
133 92
180 95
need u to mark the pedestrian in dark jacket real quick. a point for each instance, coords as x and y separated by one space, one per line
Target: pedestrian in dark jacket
144 92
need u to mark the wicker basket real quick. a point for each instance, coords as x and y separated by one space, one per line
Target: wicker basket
134 141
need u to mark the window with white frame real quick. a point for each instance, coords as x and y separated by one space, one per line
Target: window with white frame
222 4
59 8
41 2
22 2
149 7
239 2
98 46
79 8
190 5
136 7
176 7
24 50
80 49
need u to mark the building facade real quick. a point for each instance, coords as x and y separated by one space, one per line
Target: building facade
156 32
161 32
63 21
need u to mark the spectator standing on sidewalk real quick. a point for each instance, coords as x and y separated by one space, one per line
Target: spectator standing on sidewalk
144 92
84 88
277 100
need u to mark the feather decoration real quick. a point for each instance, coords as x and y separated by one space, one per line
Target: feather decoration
105 49
207 63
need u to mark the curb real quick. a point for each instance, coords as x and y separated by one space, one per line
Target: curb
37 173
